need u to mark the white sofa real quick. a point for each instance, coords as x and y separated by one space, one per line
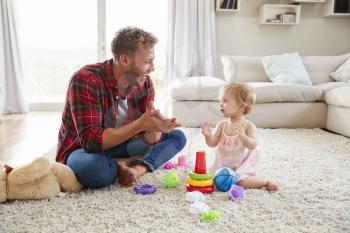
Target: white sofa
325 104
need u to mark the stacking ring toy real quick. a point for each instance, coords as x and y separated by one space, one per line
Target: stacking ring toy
207 189
145 189
196 176
200 183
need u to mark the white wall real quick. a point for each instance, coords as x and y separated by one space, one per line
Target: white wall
240 34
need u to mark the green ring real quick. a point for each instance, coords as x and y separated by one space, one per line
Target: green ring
196 176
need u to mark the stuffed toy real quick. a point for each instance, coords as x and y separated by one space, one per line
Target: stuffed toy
36 180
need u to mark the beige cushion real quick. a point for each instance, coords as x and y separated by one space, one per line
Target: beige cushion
243 69
250 69
342 74
339 97
320 67
279 92
196 88
325 87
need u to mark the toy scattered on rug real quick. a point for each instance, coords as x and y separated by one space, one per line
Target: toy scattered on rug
37 180
182 162
224 178
168 166
170 179
236 193
145 189
199 179
210 215
198 207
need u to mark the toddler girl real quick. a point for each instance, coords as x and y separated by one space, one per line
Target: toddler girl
235 137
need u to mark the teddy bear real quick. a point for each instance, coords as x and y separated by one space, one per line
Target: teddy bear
36 180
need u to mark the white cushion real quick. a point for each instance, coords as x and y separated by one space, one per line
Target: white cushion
279 92
325 87
342 74
196 88
320 67
286 68
243 69
339 97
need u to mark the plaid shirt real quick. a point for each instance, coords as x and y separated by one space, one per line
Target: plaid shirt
92 106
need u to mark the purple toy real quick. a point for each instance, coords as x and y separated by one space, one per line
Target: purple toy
145 189
236 193
168 165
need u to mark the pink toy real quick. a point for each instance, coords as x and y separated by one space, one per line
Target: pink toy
168 166
182 162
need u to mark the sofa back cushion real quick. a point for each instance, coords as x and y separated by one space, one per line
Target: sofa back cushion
320 67
286 68
250 69
243 69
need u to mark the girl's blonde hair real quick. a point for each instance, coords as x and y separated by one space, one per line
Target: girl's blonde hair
242 93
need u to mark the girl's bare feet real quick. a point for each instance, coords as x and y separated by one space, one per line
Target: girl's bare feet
8 168
271 187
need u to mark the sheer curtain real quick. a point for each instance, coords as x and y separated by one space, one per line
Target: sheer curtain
11 69
191 39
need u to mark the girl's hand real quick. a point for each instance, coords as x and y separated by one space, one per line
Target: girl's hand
206 128
239 130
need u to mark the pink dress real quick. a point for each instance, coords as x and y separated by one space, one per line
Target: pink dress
230 152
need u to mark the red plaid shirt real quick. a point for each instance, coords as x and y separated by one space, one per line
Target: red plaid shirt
92 106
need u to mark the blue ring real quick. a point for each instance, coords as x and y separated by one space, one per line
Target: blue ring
145 189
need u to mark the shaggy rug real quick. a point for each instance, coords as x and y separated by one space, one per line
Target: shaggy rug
311 167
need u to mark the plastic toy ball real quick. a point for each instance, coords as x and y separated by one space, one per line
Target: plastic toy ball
210 215
224 178
236 193
145 189
170 179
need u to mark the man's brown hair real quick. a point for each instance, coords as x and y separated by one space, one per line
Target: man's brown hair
128 39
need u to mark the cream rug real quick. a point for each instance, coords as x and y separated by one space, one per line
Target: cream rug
312 168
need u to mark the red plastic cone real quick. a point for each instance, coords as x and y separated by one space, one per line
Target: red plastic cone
200 167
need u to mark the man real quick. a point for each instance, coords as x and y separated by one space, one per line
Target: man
108 108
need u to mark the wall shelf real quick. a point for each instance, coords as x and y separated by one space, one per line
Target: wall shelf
307 1
337 8
228 5
279 14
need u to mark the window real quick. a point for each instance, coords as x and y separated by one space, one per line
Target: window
58 36
61 36
142 14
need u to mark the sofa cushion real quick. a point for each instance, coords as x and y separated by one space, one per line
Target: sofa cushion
243 69
320 67
342 74
250 69
196 88
339 97
325 87
286 68
279 92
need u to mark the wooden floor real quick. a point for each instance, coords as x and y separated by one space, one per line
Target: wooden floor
26 136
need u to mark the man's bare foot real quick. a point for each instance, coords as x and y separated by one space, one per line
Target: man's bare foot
271 187
129 175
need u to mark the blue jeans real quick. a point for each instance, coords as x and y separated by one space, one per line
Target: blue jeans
96 170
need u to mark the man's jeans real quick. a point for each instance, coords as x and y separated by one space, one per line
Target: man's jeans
96 170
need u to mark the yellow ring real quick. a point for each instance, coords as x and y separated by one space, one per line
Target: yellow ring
200 183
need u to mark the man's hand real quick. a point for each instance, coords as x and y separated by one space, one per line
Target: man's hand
153 120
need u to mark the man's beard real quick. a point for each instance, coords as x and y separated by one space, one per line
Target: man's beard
133 76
